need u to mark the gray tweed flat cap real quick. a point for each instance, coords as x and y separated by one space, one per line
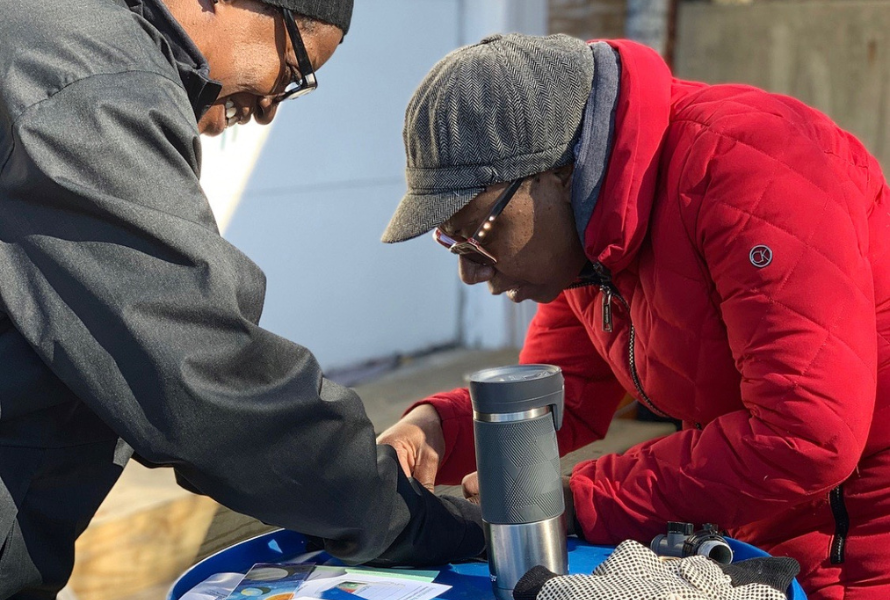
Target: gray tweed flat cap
507 107
335 12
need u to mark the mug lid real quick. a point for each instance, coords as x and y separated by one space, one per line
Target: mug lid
517 388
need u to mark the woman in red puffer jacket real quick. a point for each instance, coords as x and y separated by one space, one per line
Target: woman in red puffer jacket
738 279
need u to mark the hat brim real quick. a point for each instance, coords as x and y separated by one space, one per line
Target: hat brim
420 213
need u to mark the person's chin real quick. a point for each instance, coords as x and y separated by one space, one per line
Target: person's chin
212 129
213 122
545 299
544 296
517 293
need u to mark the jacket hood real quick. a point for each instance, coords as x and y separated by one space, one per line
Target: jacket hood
620 220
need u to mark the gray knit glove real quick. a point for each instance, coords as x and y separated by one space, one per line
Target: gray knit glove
634 572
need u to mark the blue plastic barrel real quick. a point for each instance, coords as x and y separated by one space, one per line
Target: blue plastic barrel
468 580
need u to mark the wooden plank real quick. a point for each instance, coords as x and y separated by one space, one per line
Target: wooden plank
117 557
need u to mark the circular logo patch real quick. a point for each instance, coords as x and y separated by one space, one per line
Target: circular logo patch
760 256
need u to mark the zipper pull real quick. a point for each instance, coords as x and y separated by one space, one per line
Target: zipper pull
607 308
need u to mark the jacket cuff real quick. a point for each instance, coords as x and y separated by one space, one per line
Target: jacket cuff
581 486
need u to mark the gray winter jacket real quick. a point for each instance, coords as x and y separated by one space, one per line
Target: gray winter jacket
128 321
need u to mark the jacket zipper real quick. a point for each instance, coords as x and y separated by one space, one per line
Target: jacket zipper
610 291
607 308
841 524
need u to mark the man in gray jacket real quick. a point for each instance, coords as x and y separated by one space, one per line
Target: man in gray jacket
127 321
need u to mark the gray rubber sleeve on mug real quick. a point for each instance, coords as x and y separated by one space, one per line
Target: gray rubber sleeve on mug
518 463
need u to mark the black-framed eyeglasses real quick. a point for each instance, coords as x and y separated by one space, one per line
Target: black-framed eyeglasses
307 81
471 247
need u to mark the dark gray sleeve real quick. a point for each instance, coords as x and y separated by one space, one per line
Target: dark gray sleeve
113 270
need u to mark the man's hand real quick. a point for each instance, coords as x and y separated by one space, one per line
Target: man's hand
419 443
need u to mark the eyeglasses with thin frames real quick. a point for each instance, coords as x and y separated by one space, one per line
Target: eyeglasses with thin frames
307 81
471 247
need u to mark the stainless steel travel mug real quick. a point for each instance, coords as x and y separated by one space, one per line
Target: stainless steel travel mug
516 413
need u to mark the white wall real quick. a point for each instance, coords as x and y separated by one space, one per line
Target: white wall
326 178
488 322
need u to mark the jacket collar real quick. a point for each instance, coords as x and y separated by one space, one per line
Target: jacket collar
620 221
182 53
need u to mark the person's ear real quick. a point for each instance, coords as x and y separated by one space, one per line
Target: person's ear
564 173
563 176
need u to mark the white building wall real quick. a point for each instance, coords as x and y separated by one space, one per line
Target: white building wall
486 321
308 197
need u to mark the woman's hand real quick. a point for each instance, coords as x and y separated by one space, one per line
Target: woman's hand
419 442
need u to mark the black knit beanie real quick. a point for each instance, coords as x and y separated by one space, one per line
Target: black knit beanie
335 12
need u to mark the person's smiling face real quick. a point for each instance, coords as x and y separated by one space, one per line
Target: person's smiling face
534 239
249 52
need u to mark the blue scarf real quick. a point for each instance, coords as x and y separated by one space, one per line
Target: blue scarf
597 131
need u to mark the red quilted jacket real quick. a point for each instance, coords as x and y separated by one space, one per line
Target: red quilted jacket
747 239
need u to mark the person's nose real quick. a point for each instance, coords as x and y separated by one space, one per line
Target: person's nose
266 107
472 272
